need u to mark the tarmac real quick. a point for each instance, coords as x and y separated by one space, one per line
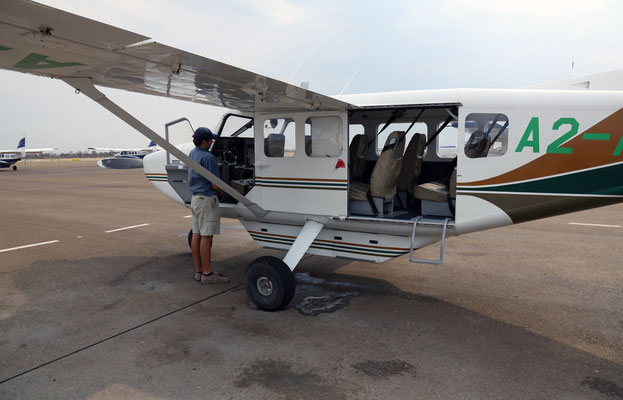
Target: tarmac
531 311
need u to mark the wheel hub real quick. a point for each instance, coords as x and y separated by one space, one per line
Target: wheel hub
264 286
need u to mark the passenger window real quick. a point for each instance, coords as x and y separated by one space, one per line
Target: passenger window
447 140
486 135
279 137
323 137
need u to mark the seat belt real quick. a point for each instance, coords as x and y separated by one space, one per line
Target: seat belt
396 114
441 128
371 201
500 132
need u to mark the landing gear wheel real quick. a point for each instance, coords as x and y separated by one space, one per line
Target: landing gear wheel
190 239
269 283
14 167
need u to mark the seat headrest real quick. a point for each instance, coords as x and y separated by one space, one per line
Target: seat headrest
394 140
477 145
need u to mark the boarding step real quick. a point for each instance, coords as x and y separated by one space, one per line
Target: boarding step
429 222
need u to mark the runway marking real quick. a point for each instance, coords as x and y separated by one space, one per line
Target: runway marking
65 186
29 245
188 216
600 225
124 228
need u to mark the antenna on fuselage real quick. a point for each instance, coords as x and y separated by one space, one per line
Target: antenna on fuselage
350 80
297 68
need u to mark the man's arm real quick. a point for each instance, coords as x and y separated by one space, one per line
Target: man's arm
213 167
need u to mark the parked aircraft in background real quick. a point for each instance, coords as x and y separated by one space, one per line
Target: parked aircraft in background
8 158
453 161
125 158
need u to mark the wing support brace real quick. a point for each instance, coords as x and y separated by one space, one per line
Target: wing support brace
85 85
305 238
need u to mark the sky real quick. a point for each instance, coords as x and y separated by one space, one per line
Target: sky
378 46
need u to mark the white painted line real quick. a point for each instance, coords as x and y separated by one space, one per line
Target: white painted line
188 216
600 225
29 245
127 227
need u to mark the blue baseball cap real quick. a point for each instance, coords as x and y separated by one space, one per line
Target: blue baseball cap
203 134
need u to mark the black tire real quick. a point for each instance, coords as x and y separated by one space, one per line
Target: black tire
14 167
190 239
269 283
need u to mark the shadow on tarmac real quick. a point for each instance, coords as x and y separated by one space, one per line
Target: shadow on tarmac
427 345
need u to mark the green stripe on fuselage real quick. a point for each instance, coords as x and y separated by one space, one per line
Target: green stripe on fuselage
600 181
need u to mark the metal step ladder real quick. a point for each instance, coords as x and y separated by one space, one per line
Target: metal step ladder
417 220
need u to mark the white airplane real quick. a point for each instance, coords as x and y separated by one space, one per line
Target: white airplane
125 158
8 158
520 154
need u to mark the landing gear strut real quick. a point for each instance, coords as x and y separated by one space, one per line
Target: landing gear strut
269 283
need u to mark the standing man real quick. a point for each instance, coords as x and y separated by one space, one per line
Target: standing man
205 207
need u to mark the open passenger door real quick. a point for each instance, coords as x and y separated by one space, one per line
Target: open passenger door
300 163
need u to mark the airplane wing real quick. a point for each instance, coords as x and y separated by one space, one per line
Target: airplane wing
105 149
41 150
19 151
45 41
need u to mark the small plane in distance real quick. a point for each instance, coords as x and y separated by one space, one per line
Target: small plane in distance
344 176
8 158
125 158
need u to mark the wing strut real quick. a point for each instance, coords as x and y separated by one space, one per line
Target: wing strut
86 86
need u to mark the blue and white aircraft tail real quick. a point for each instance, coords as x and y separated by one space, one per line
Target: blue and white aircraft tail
8 158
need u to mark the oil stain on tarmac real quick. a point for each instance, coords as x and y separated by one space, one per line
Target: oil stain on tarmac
280 377
609 388
316 296
385 369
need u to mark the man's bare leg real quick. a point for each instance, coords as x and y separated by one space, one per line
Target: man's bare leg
205 251
194 245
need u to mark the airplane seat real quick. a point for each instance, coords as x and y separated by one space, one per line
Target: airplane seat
357 156
478 144
438 198
274 145
308 145
452 186
377 198
411 168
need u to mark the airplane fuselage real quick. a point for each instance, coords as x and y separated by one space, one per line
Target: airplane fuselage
8 159
556 152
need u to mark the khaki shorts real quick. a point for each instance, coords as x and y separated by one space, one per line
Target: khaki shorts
206 215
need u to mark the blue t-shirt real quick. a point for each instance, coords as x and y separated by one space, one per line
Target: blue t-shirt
197 183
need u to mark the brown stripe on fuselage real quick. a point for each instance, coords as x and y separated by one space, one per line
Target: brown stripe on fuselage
528 207
586 154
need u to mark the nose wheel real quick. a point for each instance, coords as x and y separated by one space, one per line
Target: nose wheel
269 283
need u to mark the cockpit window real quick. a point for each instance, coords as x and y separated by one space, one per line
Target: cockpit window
237 126
486 135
